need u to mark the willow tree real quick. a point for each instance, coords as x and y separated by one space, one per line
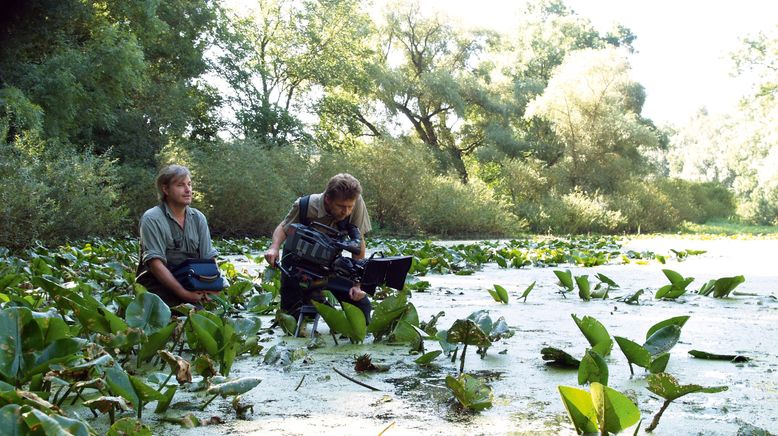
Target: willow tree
547 31
594 107
429 77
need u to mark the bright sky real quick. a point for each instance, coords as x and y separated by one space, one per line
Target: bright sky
682 46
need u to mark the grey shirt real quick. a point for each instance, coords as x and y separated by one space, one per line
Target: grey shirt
317 213
156 237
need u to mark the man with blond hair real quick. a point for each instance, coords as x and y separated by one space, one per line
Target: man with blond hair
340 205
171 233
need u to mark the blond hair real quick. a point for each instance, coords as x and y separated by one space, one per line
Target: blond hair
167 175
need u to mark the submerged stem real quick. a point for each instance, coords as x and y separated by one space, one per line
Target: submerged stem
462 360
208 402
658 415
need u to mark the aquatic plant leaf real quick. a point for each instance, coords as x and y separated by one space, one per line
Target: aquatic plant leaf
205 331
500 294
633 352
677 320
558 358
11 420
607 280
119 383
615 412
500 330
405 333
584 287
711 356
59 351
145 392
147 312
471 393
565 279
725 285
662 340
335 319
164 402
127 426
37 420
593 368
156 342
526 292
580 409
427 358
180 366
287 322
707 288
659 363
466 331
386 313
668 387
595 333
235 387
13 321
356 321
104 404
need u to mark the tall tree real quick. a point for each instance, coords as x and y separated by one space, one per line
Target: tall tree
277 60
548 31
594 108
112 74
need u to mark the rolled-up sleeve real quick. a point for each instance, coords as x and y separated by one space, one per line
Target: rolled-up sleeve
206 246
152 239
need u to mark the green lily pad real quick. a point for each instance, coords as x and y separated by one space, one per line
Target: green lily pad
471 393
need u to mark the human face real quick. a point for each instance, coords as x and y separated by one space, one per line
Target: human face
179 191
339 208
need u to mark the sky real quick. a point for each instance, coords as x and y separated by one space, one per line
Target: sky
683 46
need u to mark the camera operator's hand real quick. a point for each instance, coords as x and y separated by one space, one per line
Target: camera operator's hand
271 256
356 293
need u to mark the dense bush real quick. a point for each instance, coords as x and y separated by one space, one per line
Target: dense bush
448 207
51 193
645 207
580 212
242 189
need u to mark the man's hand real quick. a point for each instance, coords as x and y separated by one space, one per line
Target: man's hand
271 256
356 293
194 297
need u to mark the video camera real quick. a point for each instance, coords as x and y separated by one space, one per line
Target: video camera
314 259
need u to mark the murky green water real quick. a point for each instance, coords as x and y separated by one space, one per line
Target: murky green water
414 400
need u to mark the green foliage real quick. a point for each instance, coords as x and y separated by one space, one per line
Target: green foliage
595 333
499 294
668 387
470 392
604 409
55 195
266 182
580 212
721 288
350 321
677 286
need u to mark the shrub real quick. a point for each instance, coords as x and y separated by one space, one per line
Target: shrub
645 207
242 189
52 193
449 207
580 212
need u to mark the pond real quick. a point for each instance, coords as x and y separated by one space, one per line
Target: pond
307 396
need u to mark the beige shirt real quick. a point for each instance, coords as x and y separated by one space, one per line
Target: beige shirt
317 213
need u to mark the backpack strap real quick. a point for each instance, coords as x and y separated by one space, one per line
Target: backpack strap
304 210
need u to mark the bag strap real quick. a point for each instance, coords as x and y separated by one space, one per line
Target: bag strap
304 209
